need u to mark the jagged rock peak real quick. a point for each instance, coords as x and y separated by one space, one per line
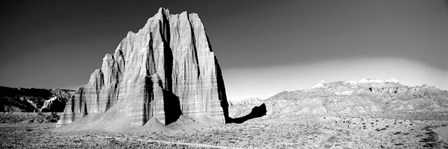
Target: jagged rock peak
165 70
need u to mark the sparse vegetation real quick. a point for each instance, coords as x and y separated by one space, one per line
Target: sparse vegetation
28 117
266 132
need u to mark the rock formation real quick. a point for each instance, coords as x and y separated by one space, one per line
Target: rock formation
358 97
32 99
54 104
165 70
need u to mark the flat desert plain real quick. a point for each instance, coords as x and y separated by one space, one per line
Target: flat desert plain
407 130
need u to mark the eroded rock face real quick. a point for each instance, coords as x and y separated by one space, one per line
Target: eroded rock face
165 70
33 99
359 97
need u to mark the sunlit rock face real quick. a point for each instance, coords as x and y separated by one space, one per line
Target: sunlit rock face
365 96
165 70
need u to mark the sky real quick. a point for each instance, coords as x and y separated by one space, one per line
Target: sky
263 47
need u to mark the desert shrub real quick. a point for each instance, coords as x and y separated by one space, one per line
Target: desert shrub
53 117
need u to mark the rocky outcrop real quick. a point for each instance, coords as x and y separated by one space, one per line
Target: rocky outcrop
53 104
359 97
32 99
165 70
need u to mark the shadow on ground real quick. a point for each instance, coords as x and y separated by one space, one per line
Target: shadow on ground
257 111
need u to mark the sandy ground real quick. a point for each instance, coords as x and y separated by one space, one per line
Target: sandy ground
443 133
265 132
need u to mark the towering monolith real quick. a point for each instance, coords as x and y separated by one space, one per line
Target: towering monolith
165 70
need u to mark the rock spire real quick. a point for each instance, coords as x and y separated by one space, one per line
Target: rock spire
165 70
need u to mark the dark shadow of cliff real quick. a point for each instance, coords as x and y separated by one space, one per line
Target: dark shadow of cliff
172 107
171 102
221 90
257 111
167 51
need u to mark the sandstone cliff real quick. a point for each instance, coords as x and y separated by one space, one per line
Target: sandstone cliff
165 70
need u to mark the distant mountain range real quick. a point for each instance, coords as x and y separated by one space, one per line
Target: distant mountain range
352 97
33 99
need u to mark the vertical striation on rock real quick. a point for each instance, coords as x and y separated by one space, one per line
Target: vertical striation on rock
165 70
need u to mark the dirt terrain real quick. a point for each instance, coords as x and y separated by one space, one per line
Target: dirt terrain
314 131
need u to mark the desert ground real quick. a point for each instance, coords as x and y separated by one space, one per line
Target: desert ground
408 130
